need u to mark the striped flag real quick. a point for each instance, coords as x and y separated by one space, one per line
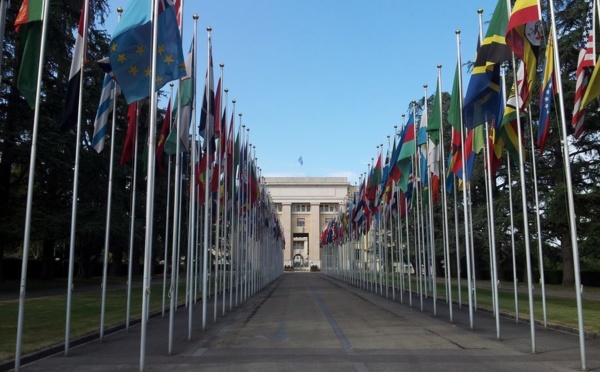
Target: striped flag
104 109
585 61
69 117
546 96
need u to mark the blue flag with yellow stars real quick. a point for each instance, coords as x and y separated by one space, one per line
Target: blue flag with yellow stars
131 49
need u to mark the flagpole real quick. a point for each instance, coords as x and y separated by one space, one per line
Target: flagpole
492 234
149 191
446 232
30 184
166 254
113 91
524 204
206 178
464 190
238 250
233 214
430 269
75 184
538 222
190 254
218 211
108 210
570 199
512 224
132 223
225 216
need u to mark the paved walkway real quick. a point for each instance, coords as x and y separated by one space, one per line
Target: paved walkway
310 322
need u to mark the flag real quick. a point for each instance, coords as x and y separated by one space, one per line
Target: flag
207 120
434 123
217 111
585 61
29 26
164 133
131 49
547 93
183 99
523 37
130 138
300 160
104 110
69 115
481 99
373 185
408 139
455 120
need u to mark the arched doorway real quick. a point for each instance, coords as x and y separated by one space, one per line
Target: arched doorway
298 260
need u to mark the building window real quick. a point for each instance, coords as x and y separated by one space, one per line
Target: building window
279 207
300 208
328 208
300 222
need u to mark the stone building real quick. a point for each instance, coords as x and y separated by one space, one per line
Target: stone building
305 206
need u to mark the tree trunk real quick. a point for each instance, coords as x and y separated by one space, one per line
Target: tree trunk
48 272
567 259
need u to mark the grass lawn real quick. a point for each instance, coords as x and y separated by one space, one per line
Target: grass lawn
44 321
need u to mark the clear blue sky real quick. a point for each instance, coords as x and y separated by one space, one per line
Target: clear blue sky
328 79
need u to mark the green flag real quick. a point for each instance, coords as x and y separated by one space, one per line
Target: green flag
29 26
435 120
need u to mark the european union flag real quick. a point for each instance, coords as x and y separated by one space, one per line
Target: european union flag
131 49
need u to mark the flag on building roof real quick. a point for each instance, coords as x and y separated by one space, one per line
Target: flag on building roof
29 26
131 49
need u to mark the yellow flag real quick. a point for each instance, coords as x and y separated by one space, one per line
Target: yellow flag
593 89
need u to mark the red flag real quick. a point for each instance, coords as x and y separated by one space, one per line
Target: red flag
164 133
129 144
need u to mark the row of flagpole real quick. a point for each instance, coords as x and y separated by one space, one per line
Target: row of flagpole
353 257
253 237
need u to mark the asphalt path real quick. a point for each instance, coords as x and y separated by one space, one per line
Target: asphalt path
311 322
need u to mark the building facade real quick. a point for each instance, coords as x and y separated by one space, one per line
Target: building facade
305 205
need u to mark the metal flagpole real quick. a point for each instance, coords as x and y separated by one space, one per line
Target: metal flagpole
238 250
28 208
233 214
108 208
512 224
538 222
177 204
225 216
206 219
132 224
430 263
493 262
75 183
166 254
446 232
190 258
524 204
464 191
113 92
218 217
149 191
571 202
